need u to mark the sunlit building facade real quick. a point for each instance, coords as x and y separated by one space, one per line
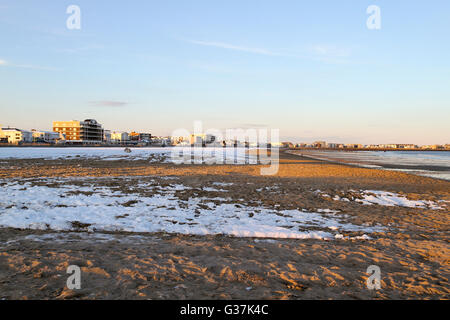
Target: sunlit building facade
16 136
87 132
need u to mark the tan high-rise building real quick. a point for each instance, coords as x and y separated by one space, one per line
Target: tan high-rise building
87 131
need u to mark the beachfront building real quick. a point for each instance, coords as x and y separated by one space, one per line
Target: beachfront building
15 136
202 139
354 146
84 132
145 137
332 145
119 137
107 136
47 136
197 139
320 144
162 141
287 144
388 146
140 137
303 145
433 147
178 140
407 146
133 136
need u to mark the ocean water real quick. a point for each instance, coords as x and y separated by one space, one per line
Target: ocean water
435 164
421 158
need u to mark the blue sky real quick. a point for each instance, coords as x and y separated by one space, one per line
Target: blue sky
310 68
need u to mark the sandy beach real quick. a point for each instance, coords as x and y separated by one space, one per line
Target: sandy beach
394 220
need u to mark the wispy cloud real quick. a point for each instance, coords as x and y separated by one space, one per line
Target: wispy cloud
318 52
30 66
108 103
212 67
329 50
5 63
330 53
228 46
82 49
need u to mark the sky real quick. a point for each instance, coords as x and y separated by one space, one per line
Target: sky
312 69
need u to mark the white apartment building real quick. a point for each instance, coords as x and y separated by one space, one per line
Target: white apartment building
47 136
16 136
107 136
119 137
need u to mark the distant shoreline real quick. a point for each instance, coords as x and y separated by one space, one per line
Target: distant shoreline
361 149
166 146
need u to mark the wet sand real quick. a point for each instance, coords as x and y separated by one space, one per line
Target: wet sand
413 253
352 158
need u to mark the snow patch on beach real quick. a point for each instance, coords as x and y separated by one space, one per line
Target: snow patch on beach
222 184
391 199
109 154
209 189
163 155
384 198
91 208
